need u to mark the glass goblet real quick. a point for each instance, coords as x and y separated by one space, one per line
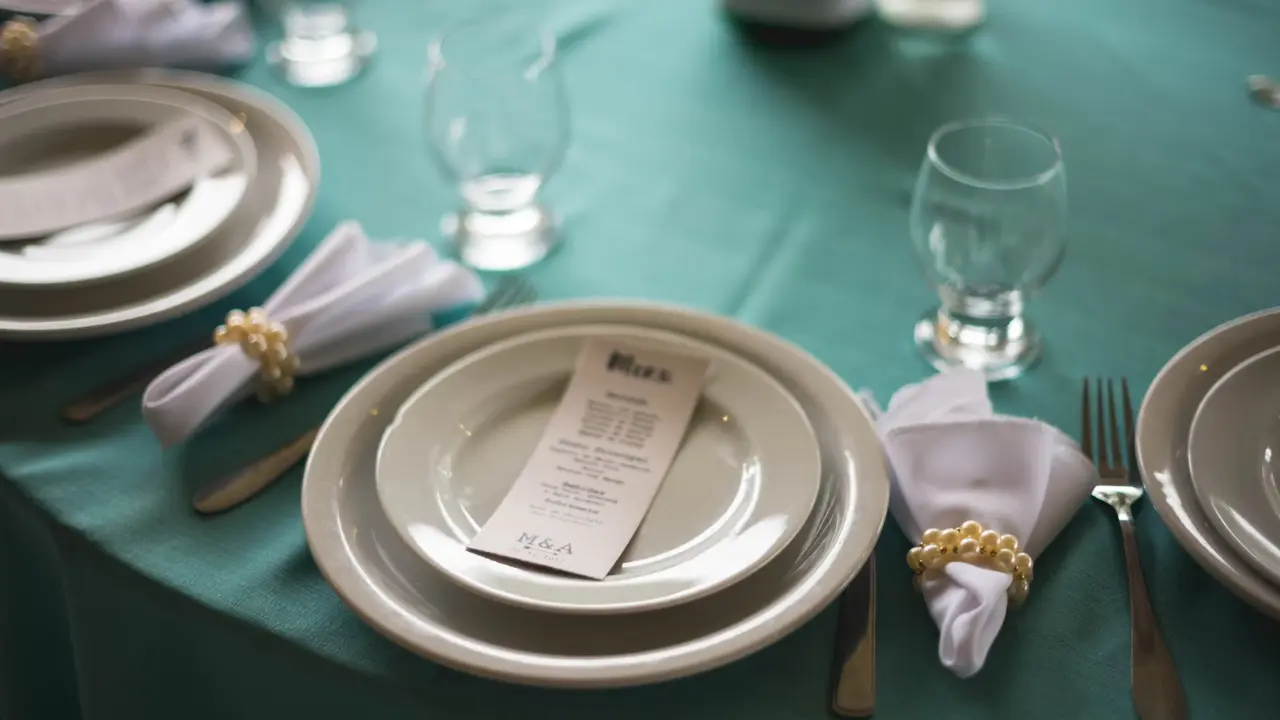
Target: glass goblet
498 120
322 44
988 223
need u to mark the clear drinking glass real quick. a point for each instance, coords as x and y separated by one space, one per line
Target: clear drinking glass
942 15
322 45
498 119
988 222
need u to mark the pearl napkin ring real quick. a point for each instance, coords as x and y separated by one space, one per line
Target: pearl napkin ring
265 342
971 543
18 49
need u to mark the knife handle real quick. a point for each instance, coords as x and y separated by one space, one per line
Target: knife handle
853 693
232 490
121 388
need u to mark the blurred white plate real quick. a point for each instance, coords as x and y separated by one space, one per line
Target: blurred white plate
417 606
276 205
1164 431
738 491
56 127
1234 454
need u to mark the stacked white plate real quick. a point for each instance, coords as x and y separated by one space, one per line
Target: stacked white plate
161 260
1208 443
773 503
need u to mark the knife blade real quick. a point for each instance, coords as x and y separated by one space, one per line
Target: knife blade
853 665
232 490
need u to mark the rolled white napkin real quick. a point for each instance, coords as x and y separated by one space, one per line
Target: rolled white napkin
954 460
123 34
351 298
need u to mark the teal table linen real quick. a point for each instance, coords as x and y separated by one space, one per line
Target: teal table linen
766 185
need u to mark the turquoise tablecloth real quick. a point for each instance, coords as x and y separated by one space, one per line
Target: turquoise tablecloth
768 186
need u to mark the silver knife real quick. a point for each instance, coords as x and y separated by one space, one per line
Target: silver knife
234 489
853 667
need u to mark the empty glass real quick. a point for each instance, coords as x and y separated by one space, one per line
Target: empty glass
988 222
943 15
498 120
322 46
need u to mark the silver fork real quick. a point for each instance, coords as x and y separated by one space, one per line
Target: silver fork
232 490
1157 691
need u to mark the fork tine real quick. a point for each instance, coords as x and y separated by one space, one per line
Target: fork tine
521 293
1086 433
1117 433
1134 473
504 288
1103 462
526 294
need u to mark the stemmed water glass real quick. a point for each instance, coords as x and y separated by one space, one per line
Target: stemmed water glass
498 120
988 222
322 45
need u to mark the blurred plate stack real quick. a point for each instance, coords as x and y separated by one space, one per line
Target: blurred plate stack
172 254
1208 443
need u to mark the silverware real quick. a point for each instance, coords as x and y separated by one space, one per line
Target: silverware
853 665
1157 691
117 390
1264 91
232 490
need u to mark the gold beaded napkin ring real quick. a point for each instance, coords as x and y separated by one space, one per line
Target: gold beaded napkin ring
267 343
971 543
19 58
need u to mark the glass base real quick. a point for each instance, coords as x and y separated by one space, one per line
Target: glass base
322 61
1000 350
940 15
502 242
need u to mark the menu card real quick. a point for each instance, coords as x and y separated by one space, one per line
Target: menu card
590 481
125 180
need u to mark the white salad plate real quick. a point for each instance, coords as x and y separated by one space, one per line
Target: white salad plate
276 204
1163 439
384 581
741 486
1234 455
43 133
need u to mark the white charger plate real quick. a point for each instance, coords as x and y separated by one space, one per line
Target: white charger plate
1164 430
413 604
740 488
1234 454
276 206
57 126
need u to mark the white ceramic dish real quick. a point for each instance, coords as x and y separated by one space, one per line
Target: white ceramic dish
1233 453
1164 428
276 206
58 126
740 488
416 606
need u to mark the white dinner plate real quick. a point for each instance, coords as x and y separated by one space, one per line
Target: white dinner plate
740 488
276 205
415 605
1234 452
66 125
1164 430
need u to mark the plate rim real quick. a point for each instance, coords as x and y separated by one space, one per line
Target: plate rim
213 113
1241 580
1269 570
812 455
867 512
90 325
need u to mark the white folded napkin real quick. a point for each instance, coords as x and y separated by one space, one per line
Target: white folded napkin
123 34
954 460
351 298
